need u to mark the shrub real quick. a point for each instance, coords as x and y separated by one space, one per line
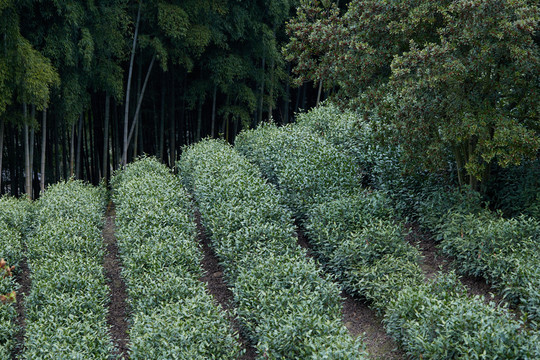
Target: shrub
354 235
503 251
439 321
284 303
173 316
65 310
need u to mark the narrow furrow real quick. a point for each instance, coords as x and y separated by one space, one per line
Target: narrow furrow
285 305
172 315
25 284
118 307
361 320
215 282
434 261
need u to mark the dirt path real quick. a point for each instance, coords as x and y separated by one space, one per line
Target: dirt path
23 279
361 320
117 317
433 262
218 288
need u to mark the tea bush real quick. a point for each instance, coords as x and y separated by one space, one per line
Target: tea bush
437 320
506 252
319 171
285 305
379 160
14 220
354 235
173 316
351 229
66 315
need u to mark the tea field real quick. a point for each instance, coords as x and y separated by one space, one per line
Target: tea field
323 176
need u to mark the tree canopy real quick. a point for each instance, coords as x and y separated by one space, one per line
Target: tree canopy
444 77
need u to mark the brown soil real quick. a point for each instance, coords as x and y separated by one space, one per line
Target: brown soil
217 287
362 321
433 262
23 279
117 316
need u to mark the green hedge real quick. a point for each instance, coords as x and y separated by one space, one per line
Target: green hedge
66 310
506 252
172 315
359 135
351 229
437 320
286 307
353 234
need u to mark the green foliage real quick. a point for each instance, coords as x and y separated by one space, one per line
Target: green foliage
173 20
357 240
516 190
380 163
437 320
505 252
14 217
433 205
449 78
65 310
304 166
285 304
172 314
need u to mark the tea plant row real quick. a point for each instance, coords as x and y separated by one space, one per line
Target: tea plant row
506 252
285 305
66 310
13 217
355 237
503 251
172 315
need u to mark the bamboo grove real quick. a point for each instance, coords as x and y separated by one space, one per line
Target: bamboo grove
85 86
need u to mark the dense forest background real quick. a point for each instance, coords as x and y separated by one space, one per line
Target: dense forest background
80 80
86 86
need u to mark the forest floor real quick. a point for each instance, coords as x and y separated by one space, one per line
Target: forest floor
218 287
118 307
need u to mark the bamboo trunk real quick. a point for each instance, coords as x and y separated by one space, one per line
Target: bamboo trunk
79 143
162 121
72 152
31 144
261 99
28 179
271 90
137 111
199 120
287 99
319 93
172 144
128 87
214 95
106 135
43 149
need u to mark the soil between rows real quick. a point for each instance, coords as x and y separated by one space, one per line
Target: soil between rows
217 287
25 283
433 261
118 307
361 320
